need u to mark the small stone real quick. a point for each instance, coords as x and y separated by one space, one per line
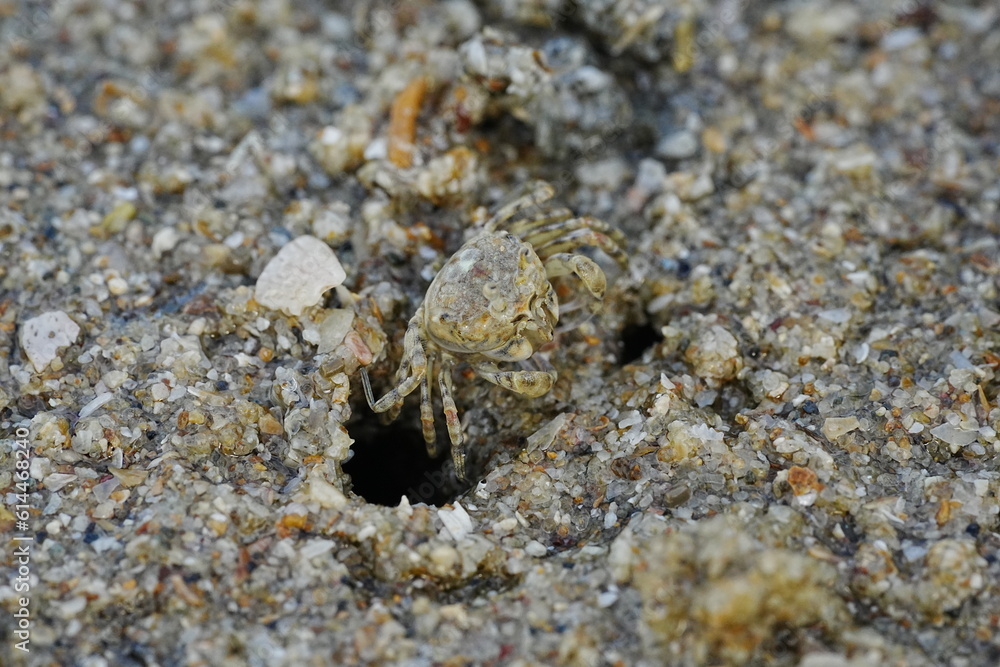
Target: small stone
358 348
443 559
104 510
333 223
543 437
835 427
324 493
58 480
216 255
269 425
954 573
103 491
856 161
825 659
954 436
315 548
334 327
456 521
116 219
901 38
836 315
22 91
622 556
819 22
118 286
71 607
129 477
95 404
661 406
218 524
715 354
164 241
713 139
298 276
535 549
607 598
341 147
677 146
159 391
805 485
114 379
42 336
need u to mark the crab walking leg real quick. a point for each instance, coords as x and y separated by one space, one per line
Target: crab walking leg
527 383
522 227
411 370
427 409
451 418
550 229
581 237
557 218
539 192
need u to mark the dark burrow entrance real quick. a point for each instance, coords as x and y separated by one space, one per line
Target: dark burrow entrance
636 339
390 461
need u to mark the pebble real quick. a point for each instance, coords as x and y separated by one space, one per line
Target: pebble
535 549
954 436
456 521
324 493
94 405
836 315
715 354
129 477
334 328
835 427
43 336
164 241
443 559
607 598
104 510
114 379
678 145
314 548
298 276
118 286
819 22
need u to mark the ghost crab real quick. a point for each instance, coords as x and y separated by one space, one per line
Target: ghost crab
493 303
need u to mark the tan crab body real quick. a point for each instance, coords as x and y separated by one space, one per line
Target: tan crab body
493 303
493 298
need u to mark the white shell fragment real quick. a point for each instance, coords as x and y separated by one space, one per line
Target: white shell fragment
456 521
298 276
42 336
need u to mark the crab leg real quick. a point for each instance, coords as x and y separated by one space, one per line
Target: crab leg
427 410
540 192
527 383
523 227
582 237
451 418
549 230
411 370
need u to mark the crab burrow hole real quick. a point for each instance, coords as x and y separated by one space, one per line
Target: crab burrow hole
390 461
636 339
